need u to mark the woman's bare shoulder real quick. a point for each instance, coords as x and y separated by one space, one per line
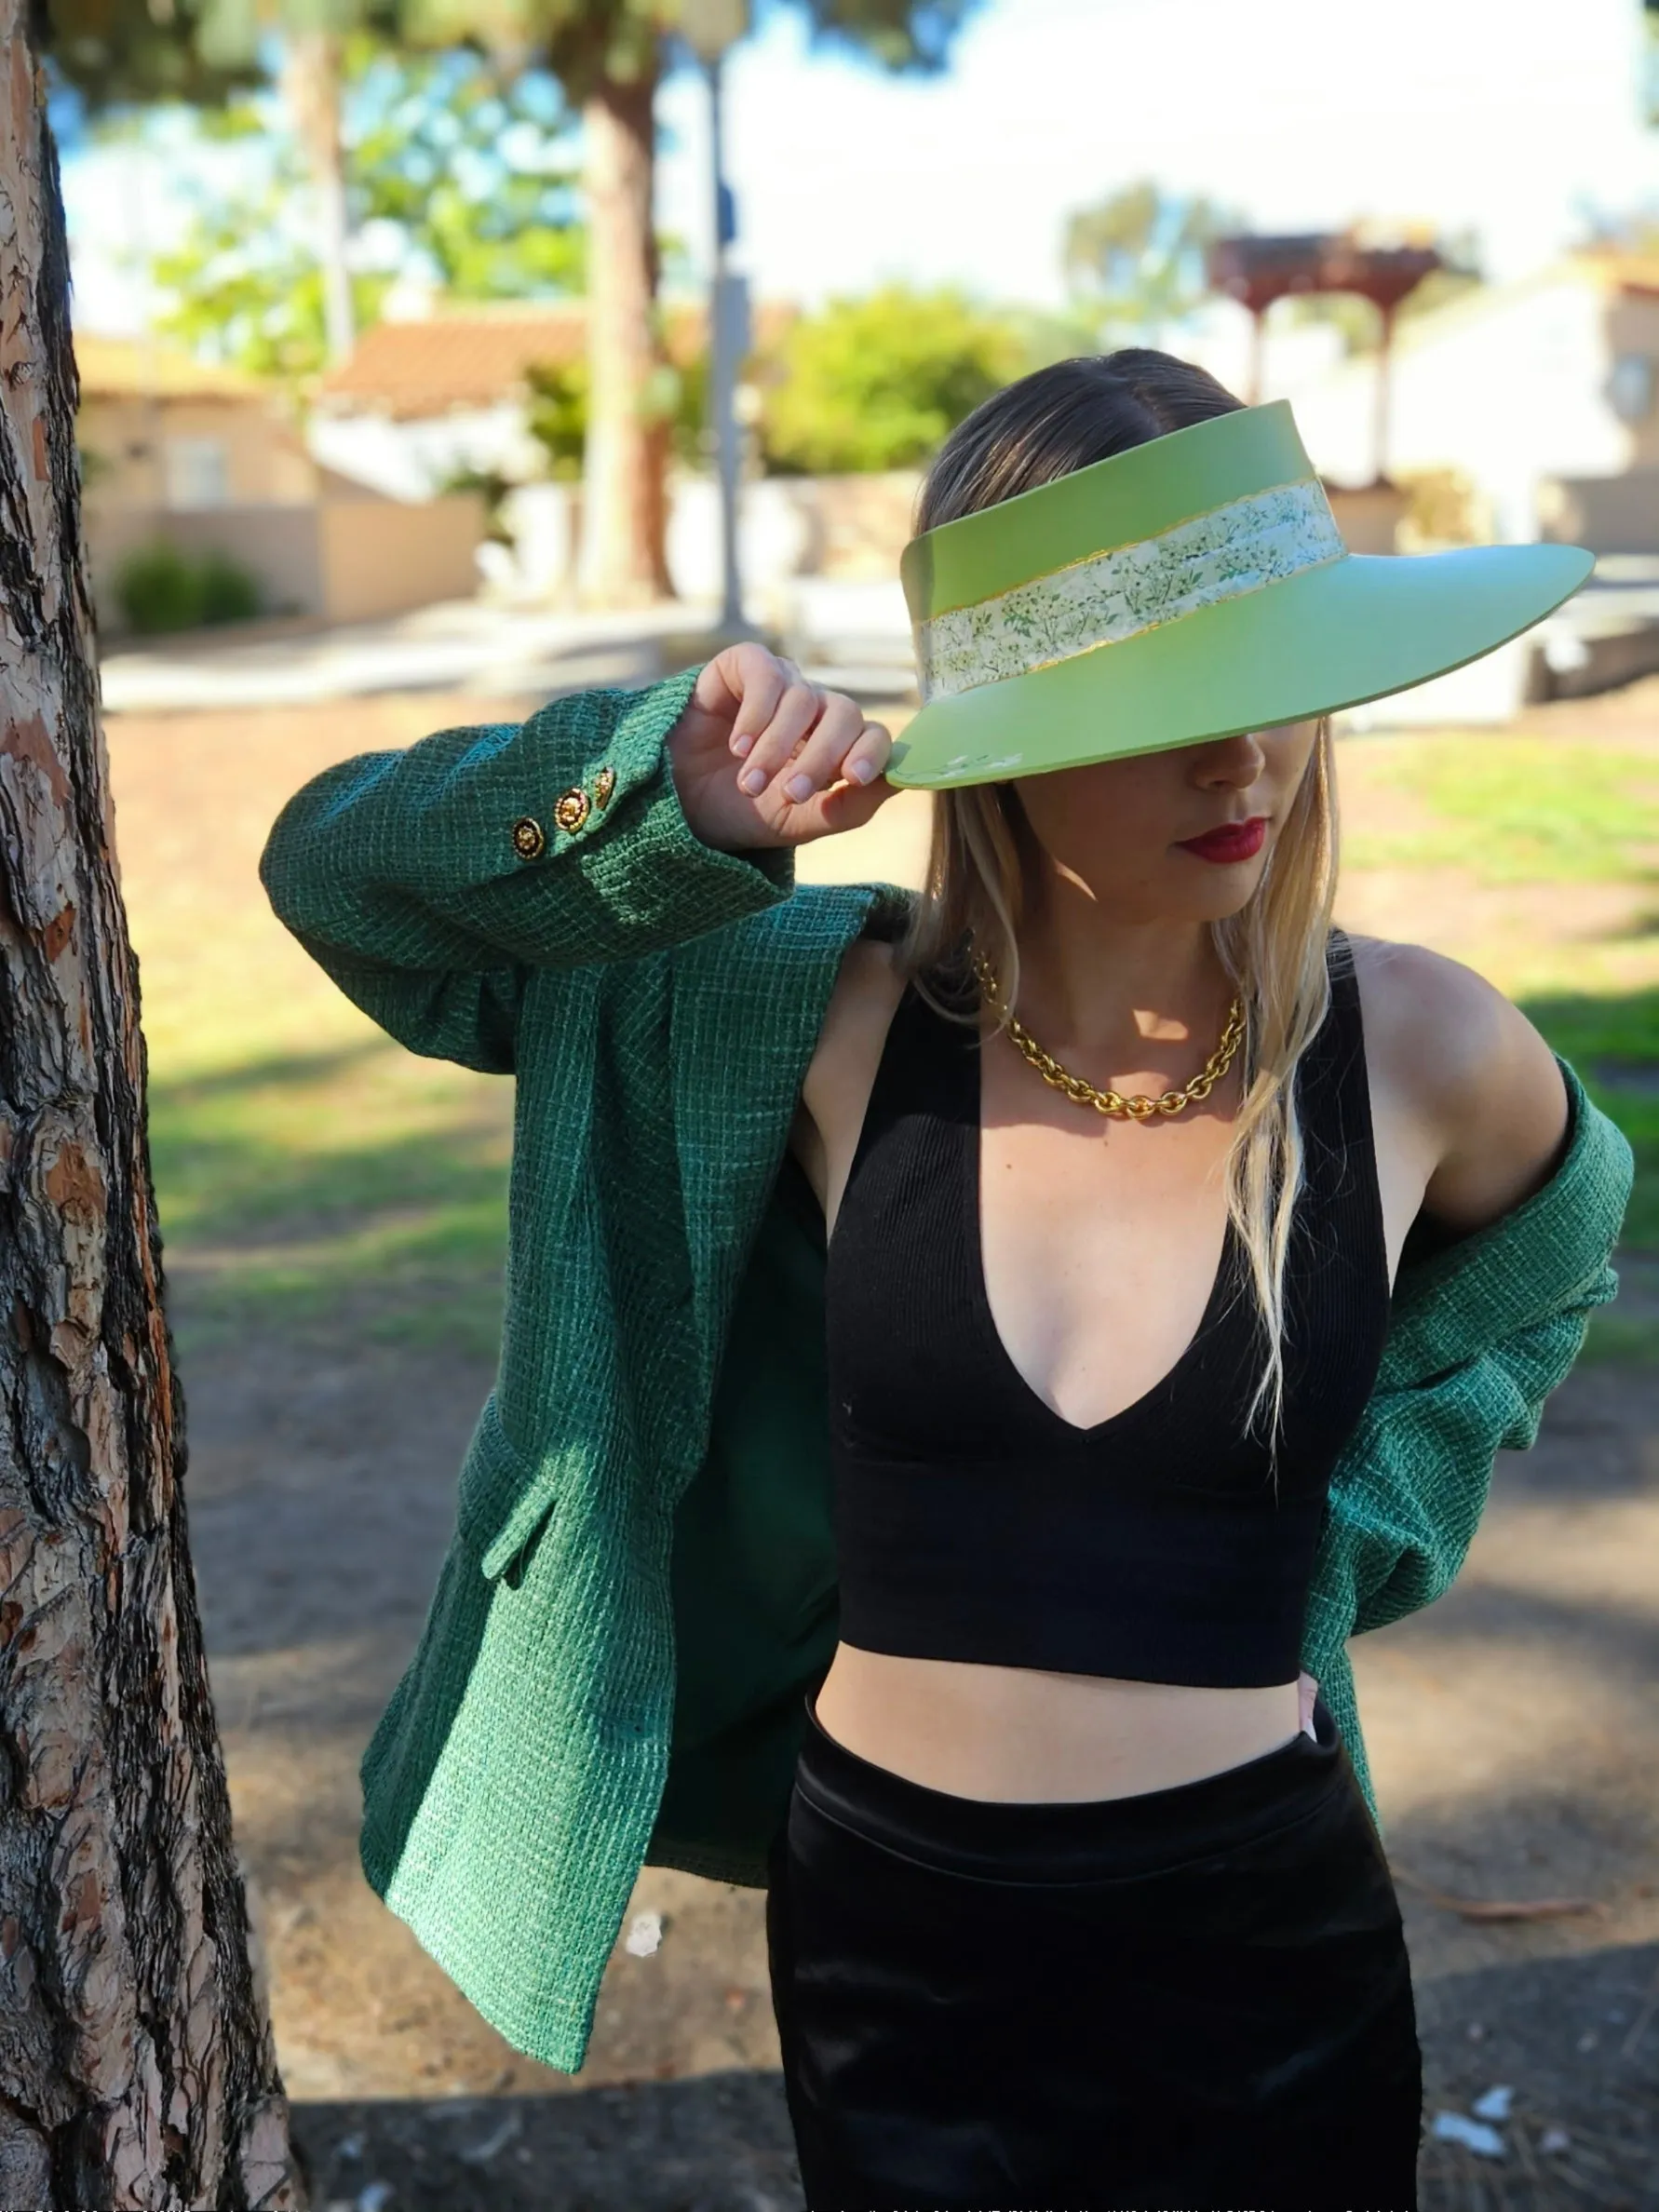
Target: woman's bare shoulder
1447 1048
1427 1016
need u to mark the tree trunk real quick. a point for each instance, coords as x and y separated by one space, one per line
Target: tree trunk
136 2061
311 73
621 561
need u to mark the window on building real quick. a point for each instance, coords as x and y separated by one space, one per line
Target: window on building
1631 387
197 472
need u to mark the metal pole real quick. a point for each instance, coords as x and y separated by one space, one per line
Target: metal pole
724 366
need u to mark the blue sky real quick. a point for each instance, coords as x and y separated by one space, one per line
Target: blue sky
1507 116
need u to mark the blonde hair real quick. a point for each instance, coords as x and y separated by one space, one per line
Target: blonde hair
984 856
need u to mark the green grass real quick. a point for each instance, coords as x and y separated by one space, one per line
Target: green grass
1613 1043
1618 1339
316 1180
1517 810
352 1187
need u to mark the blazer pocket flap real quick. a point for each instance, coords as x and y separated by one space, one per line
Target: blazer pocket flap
505 1493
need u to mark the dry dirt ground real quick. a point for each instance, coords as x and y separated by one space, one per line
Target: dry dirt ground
1513 1728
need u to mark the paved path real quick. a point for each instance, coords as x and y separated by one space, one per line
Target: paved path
486 650
463 644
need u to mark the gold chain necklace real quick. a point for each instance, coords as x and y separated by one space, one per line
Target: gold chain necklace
1138 1108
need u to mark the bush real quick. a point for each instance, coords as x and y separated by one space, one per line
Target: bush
229 593
878 383
679 395
161 588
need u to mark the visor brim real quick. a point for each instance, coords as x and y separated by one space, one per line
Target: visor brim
1333 637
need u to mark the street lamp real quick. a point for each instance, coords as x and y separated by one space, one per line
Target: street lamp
711 28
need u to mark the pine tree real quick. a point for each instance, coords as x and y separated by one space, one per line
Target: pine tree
140 2068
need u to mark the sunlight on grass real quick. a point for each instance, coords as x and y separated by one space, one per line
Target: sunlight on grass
356 1180
1614 1044
315 1178
1518 810
312 1175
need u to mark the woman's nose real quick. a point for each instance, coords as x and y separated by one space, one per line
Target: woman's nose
1231 764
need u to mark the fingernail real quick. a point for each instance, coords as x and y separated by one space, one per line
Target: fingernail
741 745
754 780
799 786
862 771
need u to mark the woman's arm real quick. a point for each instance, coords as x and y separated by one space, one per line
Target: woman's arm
1471 1110
1489 1320
608 824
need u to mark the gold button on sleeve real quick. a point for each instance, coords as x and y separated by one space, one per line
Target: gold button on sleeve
530 840
604 783
570 809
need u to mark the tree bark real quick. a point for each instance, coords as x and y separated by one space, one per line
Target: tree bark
621 560
136 2061
311 74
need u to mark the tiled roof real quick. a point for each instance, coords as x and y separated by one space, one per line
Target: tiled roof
1628 271
475 355
142 369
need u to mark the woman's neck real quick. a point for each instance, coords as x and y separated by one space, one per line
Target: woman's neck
1102 985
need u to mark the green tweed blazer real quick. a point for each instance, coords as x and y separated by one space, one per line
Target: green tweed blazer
641 1583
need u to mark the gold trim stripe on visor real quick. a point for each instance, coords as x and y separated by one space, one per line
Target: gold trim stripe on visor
1106 598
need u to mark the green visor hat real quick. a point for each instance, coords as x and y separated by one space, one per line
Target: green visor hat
1191 588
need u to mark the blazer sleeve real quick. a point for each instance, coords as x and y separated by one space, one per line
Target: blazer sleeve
1478 1345
1409 1492
431 882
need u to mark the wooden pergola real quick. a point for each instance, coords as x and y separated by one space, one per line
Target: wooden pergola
1257 270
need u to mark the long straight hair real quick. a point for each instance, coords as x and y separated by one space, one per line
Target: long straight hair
985 856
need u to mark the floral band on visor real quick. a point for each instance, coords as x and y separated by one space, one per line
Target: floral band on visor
1108 597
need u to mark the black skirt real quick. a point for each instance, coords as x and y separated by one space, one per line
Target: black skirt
1196 1996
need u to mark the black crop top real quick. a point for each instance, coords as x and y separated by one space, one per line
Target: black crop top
973 1522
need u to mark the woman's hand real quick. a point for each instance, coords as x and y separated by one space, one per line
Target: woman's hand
760 757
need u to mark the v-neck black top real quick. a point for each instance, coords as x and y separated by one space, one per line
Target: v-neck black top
1164 1544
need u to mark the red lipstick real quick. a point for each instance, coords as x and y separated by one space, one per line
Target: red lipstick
1231 843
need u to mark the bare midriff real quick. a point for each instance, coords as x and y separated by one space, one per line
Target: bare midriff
1022 1734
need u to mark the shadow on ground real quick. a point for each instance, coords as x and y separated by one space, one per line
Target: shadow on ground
721 2143
717 2144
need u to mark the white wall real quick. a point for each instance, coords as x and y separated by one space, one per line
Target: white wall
411 460
1509 389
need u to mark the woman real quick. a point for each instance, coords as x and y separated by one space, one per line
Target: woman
1118 1153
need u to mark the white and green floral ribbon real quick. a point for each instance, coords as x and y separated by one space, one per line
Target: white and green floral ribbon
1108 597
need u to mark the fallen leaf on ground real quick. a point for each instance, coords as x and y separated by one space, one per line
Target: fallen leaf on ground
1501 1909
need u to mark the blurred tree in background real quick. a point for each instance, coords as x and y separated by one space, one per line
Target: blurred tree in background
454 175
609 56
559 412
116 53
1135 262
876 383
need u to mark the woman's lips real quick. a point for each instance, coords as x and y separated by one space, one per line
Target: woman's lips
1232 841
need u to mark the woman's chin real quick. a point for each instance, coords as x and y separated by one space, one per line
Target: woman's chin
1218 894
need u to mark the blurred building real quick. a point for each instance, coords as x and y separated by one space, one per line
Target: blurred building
178 452
431 395
1512 388
1519 410
449 392
443 394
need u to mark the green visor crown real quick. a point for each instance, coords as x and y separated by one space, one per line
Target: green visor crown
1189 587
